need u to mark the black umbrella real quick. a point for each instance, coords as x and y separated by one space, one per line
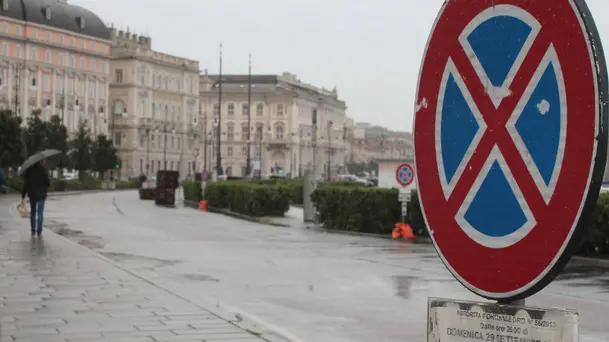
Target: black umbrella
52 157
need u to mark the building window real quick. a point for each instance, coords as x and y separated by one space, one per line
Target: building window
82 62
4 49
59 85
61 59
18 51
231 109
279 132
4 28
245 133
91 91
260 109
72 61
33 81
243 151
48 35
18 30
47 56
216 110
34 54
230 131
158 165
92 45
229 171
34 33
62 38
72 41
171 165
93 64
82 43
118 138
141 165
152 166
245 109
230 151
69 86
119 75
280 109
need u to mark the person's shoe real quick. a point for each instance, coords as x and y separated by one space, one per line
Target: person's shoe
33 234
39 234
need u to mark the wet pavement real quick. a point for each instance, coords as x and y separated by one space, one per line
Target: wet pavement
55 290
305 285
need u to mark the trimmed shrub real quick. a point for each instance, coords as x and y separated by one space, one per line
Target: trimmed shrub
192 191
359 209
597 239
126 184
249 198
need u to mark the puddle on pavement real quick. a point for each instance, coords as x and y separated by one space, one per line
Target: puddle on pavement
199 277
403 284
130 257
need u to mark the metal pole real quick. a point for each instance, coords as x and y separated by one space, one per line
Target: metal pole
249 116
260 149
300 156
329 149
165 148
204 142
219 135
147 151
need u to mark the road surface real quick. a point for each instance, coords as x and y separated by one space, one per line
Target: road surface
306 285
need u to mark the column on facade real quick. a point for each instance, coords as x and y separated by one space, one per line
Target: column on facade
40 87
24 94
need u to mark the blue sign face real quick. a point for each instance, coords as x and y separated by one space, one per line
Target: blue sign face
495 212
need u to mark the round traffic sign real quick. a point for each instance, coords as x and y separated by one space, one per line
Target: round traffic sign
404 174
510 135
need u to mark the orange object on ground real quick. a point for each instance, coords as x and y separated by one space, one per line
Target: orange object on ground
203 205
402 230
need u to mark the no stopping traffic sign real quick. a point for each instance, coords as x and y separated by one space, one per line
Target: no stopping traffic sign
510 139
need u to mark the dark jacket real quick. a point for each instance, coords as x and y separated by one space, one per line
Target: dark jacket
36 183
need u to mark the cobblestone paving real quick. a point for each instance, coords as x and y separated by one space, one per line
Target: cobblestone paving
52 290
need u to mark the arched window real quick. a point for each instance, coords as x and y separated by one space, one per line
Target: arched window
279 132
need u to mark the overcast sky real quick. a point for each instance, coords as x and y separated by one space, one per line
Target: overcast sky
370 49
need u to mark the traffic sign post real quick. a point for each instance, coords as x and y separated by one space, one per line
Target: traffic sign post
511 137
404 174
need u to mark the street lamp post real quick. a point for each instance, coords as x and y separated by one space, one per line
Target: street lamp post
330 123
249 116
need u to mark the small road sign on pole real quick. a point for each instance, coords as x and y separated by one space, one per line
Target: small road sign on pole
510 139
404 174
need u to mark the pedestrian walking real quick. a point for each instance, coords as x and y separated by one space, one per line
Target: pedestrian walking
35 185
2 181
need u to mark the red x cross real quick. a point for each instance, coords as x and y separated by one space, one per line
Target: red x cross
496 133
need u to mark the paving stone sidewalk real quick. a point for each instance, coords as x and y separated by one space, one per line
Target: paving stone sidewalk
52 290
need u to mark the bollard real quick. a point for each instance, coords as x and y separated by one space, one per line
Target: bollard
203 205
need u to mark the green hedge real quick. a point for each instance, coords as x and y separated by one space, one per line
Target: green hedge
244 197
376 210
364 209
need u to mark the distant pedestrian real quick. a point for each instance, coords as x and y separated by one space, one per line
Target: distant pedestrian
2 180
35 185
